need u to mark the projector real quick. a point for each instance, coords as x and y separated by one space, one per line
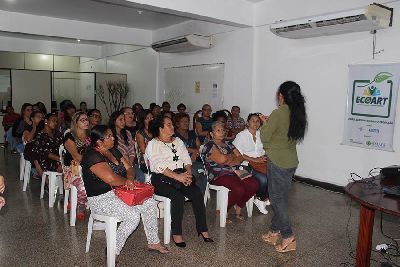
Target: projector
391 171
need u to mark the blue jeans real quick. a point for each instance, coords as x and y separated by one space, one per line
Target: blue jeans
279 181
139 174
262 192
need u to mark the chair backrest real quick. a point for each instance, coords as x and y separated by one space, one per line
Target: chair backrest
67 131
146 159
203 161
137 151
61 153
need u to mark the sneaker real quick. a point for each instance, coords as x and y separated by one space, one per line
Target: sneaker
260 205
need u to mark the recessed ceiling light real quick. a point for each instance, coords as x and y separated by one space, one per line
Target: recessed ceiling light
78 40
140 12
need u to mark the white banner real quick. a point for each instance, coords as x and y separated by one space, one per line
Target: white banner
371 106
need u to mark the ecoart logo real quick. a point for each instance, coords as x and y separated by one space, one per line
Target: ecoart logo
373 98
375 144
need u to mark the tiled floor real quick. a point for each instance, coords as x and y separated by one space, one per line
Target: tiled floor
32 234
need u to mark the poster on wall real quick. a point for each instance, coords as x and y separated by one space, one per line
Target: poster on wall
371 106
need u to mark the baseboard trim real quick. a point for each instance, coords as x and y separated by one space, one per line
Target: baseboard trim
324 185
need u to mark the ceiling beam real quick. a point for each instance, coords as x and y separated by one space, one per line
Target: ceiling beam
49 26
237 13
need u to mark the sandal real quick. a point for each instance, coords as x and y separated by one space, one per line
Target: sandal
271 238
289 246
240 217
160 249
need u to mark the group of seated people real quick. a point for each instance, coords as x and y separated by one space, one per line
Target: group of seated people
220 150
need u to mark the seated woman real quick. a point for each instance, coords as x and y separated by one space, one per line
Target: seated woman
19 126
192 144
249 144
222 161
29 135
130 120
103 166
46 145
123 140
75 143
69 112
172 178
143 136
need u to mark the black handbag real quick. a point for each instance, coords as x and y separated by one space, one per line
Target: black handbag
167 180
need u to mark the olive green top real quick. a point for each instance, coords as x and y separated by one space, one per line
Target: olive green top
279 149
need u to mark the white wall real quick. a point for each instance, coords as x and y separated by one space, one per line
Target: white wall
320 66
37 83
235 49
140 65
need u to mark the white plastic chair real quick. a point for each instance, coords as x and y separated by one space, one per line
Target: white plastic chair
111 234
222 198
55 184
27 174
167 216
70 194
21 166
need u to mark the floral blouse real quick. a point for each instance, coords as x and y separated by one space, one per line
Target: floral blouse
43 145
214 169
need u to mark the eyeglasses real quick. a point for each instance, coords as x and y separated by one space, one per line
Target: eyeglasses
108 137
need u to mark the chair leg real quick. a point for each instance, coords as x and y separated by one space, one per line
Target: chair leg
27 174
222 199
66 196
21 167
74 204
167 221
60 184
52 189
42 186
89 233
206 195
249 206
111 236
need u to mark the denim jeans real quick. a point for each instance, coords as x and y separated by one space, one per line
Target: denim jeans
139 174
262 192
279 181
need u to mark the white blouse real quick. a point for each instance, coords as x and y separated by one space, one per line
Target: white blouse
245 144
161 156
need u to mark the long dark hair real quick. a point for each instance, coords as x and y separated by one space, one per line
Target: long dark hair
298 118
97 133
113 118
141 117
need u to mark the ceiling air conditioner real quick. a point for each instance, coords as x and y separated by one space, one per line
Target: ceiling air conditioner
373 17
185 43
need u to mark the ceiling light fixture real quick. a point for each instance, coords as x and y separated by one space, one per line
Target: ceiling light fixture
140 12
78 40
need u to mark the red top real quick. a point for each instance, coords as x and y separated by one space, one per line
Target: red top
9 119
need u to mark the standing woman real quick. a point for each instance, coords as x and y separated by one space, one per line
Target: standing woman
76 141
282 130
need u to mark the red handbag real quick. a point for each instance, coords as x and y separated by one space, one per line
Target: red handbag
137 196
